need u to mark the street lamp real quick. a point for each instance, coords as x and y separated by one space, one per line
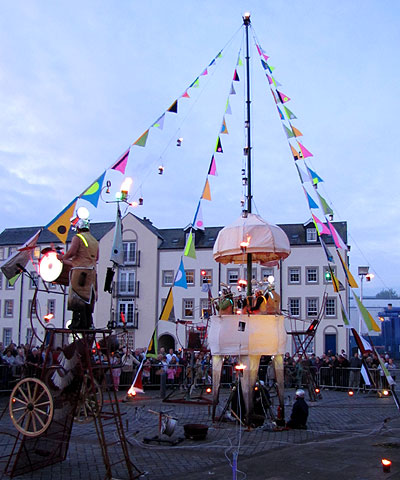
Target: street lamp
363 272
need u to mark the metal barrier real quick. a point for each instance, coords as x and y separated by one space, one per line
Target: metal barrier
348 378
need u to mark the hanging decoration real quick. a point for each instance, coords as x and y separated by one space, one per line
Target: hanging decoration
60 225
92 194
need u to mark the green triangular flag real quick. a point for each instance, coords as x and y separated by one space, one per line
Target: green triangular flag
14 279
289 113
141 141
325 207
189 249
240 63
288 131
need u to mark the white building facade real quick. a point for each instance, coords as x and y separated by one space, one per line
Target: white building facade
151 259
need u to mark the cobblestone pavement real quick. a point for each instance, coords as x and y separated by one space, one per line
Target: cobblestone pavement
336 416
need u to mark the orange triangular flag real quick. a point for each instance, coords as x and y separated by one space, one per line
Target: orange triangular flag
296 132
296 154
206 192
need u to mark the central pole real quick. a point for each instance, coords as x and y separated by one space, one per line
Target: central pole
247 150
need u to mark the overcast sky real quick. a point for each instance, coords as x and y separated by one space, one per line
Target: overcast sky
81 80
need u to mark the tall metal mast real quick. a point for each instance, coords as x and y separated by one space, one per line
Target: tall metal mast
247 150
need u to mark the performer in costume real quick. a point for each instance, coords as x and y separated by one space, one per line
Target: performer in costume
82 256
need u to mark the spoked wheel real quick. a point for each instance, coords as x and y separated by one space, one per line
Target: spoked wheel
31 407
90 400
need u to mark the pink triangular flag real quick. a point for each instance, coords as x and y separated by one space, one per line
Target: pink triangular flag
120 164
259 49
320 226
339 243
185 95
205 72
213 167
270 81
305 153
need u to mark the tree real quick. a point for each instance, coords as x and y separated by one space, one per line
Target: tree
387 293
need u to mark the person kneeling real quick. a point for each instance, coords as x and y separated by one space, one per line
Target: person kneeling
298 418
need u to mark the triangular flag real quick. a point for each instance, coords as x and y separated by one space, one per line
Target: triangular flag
120 164
311 202
174 107
61 224
296 154
280 113
362 344
198 218
168 306
322 229
325 207
349 276
196 80
232 91
305 153
152 349
314 176
189 248
11 266
236 77
212 62
345 315
303 175
206 192
159 123
326 250
213 167
265 65
259 50
117 250
204 72
219 55
296 132
239 62
367 317
218 147
224 128
196 83
287 130
284 98
290 114
336 237
185 95
180 277
141 141
228 109
92 194
270 81
385 370
14 279
337 284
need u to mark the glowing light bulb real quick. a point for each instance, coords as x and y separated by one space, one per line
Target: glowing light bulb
83 213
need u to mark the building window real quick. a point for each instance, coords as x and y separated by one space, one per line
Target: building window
171 317
328 276
51 286
7 336
309 345
205 276
1 253
330 307
311 234
34 280
51 307
31 308
294 275
205 306
8 308
126 311
312 275
9 286
11 250
312 307
190 277
29 335
127 282
232 276
294 307
167 278
266 272
129 252
188 308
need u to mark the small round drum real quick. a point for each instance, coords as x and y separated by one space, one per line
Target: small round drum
52 270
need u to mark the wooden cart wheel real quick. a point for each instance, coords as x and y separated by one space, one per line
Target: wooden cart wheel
31 407
90 401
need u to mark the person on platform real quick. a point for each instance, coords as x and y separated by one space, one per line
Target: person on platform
82 257
299 416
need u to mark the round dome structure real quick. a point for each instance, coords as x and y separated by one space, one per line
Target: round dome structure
266 242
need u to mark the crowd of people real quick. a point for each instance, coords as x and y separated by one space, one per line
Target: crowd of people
185 368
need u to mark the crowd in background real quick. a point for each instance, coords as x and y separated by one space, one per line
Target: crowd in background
185 368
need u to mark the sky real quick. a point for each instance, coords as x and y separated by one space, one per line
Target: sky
81 81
